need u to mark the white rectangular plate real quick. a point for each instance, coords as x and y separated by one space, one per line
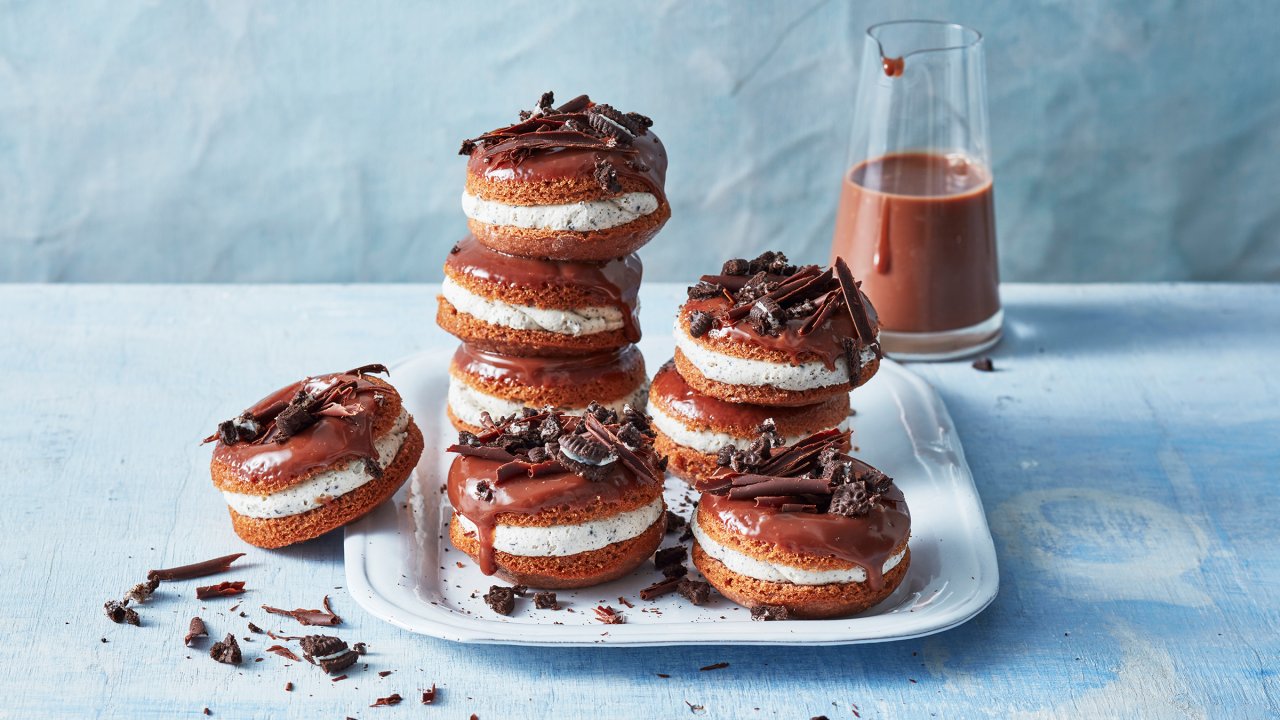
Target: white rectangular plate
402 568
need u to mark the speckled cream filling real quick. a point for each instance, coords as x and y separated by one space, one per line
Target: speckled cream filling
468 402
733 370
583 216
777 572
708 441
576 322
562 540
316 492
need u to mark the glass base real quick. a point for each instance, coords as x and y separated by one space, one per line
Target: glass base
944 345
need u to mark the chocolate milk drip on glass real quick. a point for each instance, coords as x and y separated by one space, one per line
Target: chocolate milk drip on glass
916 221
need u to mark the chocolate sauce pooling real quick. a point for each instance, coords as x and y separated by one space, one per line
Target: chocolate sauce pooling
329 441
529 496
606 368
613 283
866 541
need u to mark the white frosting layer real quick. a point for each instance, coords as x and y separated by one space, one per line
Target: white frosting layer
576 217
325 487
562 540
468 402
579 321
776 572
733 370
708 441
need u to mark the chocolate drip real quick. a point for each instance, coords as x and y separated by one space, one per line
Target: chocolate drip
527 496
614 283
867 541
330 440
605 368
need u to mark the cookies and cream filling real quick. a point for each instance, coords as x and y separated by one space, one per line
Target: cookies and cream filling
562 540
585 216
734 370
325 487
754 567
468 402
575 322
710 441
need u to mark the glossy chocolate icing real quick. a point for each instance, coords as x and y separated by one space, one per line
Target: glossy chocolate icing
670 391
605 368
867 541
327 442
528 496
561 143
614 283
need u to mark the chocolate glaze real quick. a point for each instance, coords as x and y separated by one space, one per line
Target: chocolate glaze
528 496
606 368
329 441
824 343
671 392
613 283
867 541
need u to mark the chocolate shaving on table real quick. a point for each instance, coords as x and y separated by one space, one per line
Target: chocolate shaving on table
714 666
393 699
223 589
195 629
226 650
984 364
812 475
579 123
284 652
309 617
608 615
429 696
660 588
195 570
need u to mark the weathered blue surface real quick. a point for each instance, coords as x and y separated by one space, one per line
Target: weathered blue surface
286 141
1126 452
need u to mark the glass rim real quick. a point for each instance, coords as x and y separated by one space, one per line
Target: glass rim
974 35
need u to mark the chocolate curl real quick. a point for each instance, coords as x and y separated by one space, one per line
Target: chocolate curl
309 617
624 453
488 453
853 300
524 468
828 306
795 456
781 486
370 369
195 570
785 289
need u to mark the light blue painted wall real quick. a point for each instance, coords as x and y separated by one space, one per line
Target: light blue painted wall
307 141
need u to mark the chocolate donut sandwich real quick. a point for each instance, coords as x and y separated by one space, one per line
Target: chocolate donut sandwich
804 527
529 306
314 456
575 181
551 500
482 382
693 429
766 332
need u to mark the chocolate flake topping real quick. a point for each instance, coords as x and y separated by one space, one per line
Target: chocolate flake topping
226 650
501 600
608 615
813 475
284 652
532 444
393 699
195 570
660 588
579 123
429 696
329 652
222 589
309 617
195 630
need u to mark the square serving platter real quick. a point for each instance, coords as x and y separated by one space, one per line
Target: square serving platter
402 568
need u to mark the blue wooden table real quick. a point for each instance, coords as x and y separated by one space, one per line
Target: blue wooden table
1127 450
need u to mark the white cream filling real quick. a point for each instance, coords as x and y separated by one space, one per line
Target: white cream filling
575 217
330 656
579 321
777 572
316 492
733 370
710 441
468 403
562 540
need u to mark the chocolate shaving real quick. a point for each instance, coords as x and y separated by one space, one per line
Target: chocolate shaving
284 652
429 696
226 650
393 699
222 589
714 666
309 617
608 615
984 364
660 588
195 570
853 300
195 629
370 369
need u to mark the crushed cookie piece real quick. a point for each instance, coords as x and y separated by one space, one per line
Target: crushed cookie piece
500 599
697 592
770 612
226 650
